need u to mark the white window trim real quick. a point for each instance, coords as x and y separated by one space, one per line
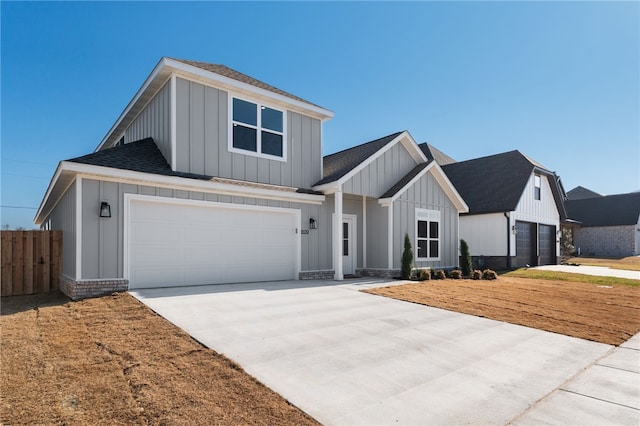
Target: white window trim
431 216
537 187
258 128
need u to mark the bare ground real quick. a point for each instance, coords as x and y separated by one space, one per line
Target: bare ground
606 314
112 360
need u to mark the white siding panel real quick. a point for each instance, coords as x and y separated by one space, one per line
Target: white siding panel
485 234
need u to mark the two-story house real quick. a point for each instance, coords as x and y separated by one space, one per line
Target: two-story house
210 176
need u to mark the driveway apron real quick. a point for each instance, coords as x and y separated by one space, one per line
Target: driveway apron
347 357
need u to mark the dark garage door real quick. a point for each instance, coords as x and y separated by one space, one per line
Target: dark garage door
526 245
547 241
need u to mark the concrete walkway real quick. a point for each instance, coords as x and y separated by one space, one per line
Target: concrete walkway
592 270
346 357
606 393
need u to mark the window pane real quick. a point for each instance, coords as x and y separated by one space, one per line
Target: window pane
345 230
433 229
245 112
422 248
271 119
433 248
345 247
271 144
244 138
422 229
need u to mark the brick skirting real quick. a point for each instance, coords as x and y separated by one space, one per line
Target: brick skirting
382 273
84 289
316 275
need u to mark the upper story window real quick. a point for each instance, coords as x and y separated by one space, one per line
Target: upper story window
257 130
427 234
536 186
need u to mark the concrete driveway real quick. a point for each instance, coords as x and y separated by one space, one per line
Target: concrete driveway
347 357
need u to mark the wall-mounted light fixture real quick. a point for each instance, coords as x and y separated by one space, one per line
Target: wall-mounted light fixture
514 229
313 223
105 209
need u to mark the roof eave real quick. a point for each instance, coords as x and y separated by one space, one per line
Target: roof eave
404 137
167 66
176 182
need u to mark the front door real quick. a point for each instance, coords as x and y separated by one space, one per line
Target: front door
348 253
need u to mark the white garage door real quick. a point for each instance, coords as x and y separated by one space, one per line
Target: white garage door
193 244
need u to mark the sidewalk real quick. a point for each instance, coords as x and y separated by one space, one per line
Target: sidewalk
606 392
592 270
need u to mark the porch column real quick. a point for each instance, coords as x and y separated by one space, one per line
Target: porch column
337 236
364 231
390 235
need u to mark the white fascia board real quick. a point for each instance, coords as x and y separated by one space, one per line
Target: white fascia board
451 191
176 182
37 219
443 181
190 70
407 141
161 64
413 148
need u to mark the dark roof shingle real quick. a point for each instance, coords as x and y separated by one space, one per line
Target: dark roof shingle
491 184
405 180
607 210
580 192
339 164
433 153
140 156
225 71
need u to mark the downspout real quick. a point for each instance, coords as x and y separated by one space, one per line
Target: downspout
506 214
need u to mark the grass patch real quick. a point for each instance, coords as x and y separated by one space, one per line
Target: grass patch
631 263
571 277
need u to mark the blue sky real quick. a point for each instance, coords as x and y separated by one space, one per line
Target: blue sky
559 81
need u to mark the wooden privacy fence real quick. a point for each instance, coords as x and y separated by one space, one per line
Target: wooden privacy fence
31 262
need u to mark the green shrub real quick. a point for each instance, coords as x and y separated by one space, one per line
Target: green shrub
456 274
476 274
407 258
424 274
465 259
440 274
489 274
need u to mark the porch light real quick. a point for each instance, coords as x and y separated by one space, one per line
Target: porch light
313 224
105 209
514 230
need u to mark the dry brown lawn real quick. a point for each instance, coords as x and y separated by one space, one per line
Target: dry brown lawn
111 361
607 314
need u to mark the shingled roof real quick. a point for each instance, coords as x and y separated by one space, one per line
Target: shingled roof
140 156
225 71
580 192
607 210
339 164
433 153
495 183
405 180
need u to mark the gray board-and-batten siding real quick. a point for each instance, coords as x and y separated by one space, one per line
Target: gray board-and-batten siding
102 239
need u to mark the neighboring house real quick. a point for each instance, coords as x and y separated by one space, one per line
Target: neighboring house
606 225
580 192
515 210
210 176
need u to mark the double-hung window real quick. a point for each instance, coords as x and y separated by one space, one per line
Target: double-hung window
427 234
257 130
536 187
